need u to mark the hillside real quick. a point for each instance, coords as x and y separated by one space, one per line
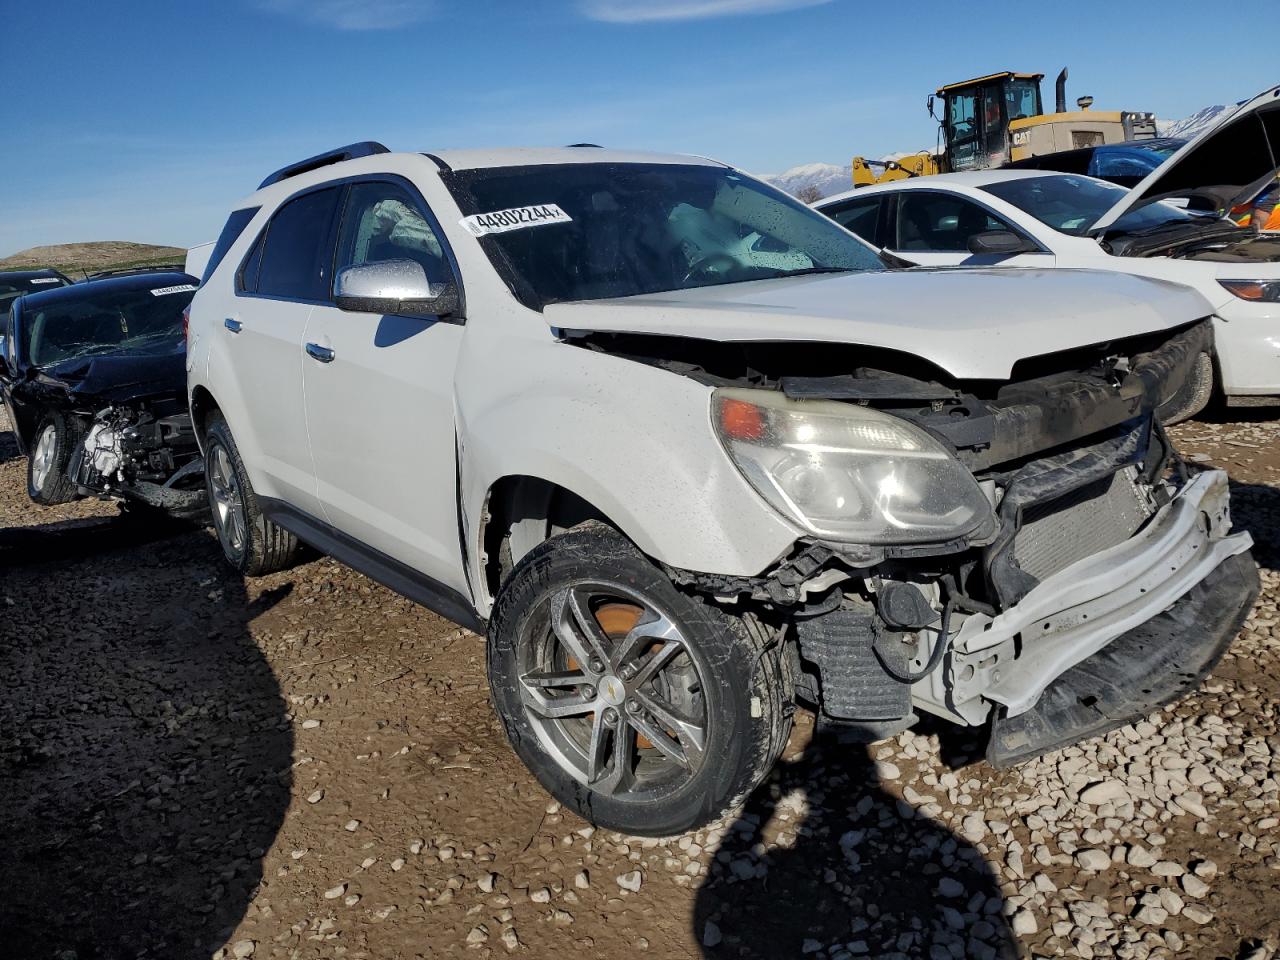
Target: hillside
74 259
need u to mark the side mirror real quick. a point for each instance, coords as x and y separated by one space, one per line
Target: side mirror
998 242
398 288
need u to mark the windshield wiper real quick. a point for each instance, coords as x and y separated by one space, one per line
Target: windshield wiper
807 271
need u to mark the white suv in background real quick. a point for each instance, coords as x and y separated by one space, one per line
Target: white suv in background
688 452
1039 218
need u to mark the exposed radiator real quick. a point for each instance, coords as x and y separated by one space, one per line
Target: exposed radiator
1102 514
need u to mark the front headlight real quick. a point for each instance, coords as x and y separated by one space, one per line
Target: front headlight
845 472
1259 291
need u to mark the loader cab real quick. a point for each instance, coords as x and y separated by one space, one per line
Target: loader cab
976 115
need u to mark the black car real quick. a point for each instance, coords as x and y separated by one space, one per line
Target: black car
94 376
14 283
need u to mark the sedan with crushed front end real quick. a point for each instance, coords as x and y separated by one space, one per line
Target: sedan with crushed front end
93 375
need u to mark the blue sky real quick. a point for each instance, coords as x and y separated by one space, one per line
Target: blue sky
145 119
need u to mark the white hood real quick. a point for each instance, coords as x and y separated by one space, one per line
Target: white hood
973 323
1230 162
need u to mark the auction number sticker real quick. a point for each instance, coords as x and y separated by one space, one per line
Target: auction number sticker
517 218
45 280
179 288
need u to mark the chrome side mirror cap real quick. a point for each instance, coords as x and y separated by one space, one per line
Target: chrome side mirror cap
398 288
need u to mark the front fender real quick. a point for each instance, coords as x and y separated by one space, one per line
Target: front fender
633 440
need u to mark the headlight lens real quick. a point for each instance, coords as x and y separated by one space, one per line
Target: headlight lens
1259 291
846 472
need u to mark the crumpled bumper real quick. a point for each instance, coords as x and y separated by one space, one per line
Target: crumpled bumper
1177 562
1145 668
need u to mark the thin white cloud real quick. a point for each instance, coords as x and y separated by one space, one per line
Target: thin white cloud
654 11
355 14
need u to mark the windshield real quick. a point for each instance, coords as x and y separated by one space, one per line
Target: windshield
1073 205
125 321
594 230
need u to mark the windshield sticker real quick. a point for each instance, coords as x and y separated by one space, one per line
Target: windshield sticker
45 280
179 288
517 218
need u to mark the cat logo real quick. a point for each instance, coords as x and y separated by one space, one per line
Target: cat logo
1021 138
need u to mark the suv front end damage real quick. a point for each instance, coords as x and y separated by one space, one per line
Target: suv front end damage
1094 580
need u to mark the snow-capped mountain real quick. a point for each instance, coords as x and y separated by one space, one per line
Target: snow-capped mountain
829 178
1188 127
824 177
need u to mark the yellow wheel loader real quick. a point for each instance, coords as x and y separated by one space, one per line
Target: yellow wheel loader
993 120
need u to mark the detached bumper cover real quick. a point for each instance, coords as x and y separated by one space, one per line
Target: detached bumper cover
1154 664
1011 659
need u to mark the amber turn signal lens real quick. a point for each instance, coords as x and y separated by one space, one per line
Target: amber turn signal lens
740 420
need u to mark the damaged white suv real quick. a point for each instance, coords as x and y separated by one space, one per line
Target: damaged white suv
690 453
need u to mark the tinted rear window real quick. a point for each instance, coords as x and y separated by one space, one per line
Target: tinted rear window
235 225
298 254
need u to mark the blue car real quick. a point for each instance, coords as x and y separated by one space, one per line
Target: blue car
1125 163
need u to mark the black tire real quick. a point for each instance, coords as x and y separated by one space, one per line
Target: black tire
55 486
264 547
1192 397
744 688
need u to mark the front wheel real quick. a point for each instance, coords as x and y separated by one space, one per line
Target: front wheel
635 705
47 480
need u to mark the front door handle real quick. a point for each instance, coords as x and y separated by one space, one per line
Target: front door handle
232 325
317 352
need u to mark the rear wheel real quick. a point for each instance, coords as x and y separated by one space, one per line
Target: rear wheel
637 706
47 480
250 542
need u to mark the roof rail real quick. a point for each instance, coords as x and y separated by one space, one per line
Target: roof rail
365 148
126 271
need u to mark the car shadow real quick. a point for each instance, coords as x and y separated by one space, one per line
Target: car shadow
862 873
145 752
1256 507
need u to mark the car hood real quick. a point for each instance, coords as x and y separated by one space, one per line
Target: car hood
115 378
1228 163
974 323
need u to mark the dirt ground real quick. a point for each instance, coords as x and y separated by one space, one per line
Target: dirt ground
307 766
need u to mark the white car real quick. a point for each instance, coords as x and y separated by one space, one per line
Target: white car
1034 218
687 452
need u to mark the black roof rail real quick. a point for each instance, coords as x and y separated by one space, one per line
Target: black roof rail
596 145
126 271
365 148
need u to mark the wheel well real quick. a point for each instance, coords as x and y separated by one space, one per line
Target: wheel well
202 404
521 512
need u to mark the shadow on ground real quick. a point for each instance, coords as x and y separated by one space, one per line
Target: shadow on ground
1256 507
144 749
866 875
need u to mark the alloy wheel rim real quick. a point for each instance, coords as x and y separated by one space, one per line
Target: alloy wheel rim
228 507
42 457
614 692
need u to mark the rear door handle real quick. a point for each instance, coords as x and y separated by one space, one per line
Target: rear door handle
317 352
232 325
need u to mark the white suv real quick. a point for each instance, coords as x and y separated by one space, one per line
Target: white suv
690 453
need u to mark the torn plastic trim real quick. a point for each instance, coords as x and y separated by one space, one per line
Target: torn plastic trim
1082 608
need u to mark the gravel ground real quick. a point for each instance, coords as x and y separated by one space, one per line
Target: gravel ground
307 766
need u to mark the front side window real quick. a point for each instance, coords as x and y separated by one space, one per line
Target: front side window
383 222
138 321
297 253
1072 205
589 231
859 216
940 222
